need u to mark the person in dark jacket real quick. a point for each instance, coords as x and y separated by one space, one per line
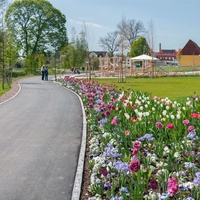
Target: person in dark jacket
46 73
42 71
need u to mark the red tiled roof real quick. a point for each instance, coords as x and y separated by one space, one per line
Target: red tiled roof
167 53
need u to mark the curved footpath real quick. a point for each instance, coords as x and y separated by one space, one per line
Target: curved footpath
42 142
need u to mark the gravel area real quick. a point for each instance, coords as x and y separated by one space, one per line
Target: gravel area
11 93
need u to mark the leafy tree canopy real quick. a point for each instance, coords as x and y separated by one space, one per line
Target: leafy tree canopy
139 47
37 26
76 52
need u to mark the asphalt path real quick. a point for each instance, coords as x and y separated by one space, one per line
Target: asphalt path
40 137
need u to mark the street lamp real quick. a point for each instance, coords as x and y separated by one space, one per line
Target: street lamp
62 56
89 70
55 66
88 63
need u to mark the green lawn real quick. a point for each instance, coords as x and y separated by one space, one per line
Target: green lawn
180 69
176 88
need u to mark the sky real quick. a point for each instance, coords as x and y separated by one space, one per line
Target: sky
174 21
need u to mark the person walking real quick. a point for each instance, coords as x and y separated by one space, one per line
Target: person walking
46 73
42 71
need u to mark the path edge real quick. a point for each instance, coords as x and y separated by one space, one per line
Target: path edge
76 192
13 95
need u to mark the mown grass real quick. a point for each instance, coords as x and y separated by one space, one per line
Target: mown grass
175 88
180 69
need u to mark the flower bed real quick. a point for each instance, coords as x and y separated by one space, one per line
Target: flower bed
141 147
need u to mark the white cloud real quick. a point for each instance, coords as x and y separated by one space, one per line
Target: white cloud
86 23
75 22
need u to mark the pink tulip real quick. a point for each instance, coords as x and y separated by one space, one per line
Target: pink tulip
190 128
127 132
187 153
170 126
172 186
104 171
134 165
159 125
186 122
135 151
136 144
114 120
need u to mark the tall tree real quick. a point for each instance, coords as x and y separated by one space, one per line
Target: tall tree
10 50
75 53
140 46
131 30
3 5
111 42
151 37
151 34
37 26
81 45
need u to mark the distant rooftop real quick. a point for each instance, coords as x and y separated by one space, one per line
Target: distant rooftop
191 48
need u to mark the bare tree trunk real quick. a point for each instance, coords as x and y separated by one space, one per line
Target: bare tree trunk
151 45
2 25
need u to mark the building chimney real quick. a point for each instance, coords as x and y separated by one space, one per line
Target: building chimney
159 47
